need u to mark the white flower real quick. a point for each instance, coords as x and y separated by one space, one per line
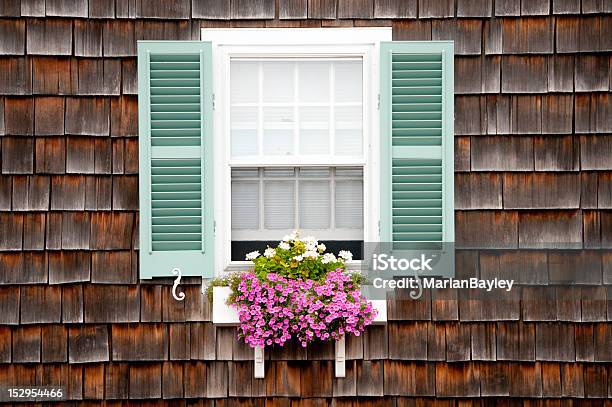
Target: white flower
252 255
284 246
269 252
311 254
298 258
328 258
346 255
321 247
310 246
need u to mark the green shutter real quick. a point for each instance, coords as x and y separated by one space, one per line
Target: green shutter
416 108
175 141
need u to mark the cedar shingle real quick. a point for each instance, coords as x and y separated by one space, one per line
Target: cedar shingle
9 304
11 231
126 9
98 193
160 9
10 8
515 341
172 380
527 35
457 380
102 9
111 303
66 8
594 303
69 267
604 190
19 116
551 380
23 268
466 34
150 304
566 7
502 227
51 76
594 152
178 338
596 6
26 344
462 153
572 380
494 379
508 8
87 116
118 147
375 343
468 115
80 155
395 8
591 226
567 34
202 340
550 229
497 116
129 78
49 116
112 267
197 306
526 115
524 267
140 342
33 8
117 381
535 7
595 381
355 9
408 340
41 304
93 381
521 74
409 378
195 377
124 116
436 8
574 267
369 378
403 307
102 155
99 77
15 77
561 73
478 191
492 34
293 9
34 231
411 30
210 9
483 341
88 343
119 38
217 379
12 32
111 230
502 153
592 73
5 346
68 192
125 193
555 341
525 380
49 36
444 306
457 342
557 114
163 30
88 38
323 9
72 304
584 342
6 184
474 8
53 346
252 9
50 155
145 381
603 337
31 193
541 191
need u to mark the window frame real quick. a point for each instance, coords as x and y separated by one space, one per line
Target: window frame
293 42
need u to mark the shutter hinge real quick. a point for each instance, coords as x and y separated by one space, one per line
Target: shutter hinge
213 101
378 105
379 228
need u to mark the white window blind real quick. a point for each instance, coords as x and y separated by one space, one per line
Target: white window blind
296 107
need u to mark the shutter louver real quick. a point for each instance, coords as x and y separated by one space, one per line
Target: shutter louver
417 145
175 102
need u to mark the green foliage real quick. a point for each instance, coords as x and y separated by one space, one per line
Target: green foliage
229 280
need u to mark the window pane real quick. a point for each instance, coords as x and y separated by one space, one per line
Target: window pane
244 123
348 130
349 204
278 81
348 81
313 81
279 208
314 130
245 205
244 84
315 204
278 131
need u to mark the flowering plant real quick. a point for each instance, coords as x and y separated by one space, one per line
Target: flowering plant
298 291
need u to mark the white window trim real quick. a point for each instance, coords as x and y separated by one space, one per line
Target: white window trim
292 42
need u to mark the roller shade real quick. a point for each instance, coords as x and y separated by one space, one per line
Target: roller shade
416 116
175 141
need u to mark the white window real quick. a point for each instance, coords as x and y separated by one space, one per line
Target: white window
294 119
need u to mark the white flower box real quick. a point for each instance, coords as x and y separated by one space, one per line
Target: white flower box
223 314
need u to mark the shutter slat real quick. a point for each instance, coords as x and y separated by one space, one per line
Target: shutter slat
176 197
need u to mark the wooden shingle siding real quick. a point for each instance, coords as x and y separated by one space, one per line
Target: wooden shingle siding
533 131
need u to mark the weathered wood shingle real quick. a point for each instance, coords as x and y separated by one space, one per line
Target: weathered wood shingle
49 37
